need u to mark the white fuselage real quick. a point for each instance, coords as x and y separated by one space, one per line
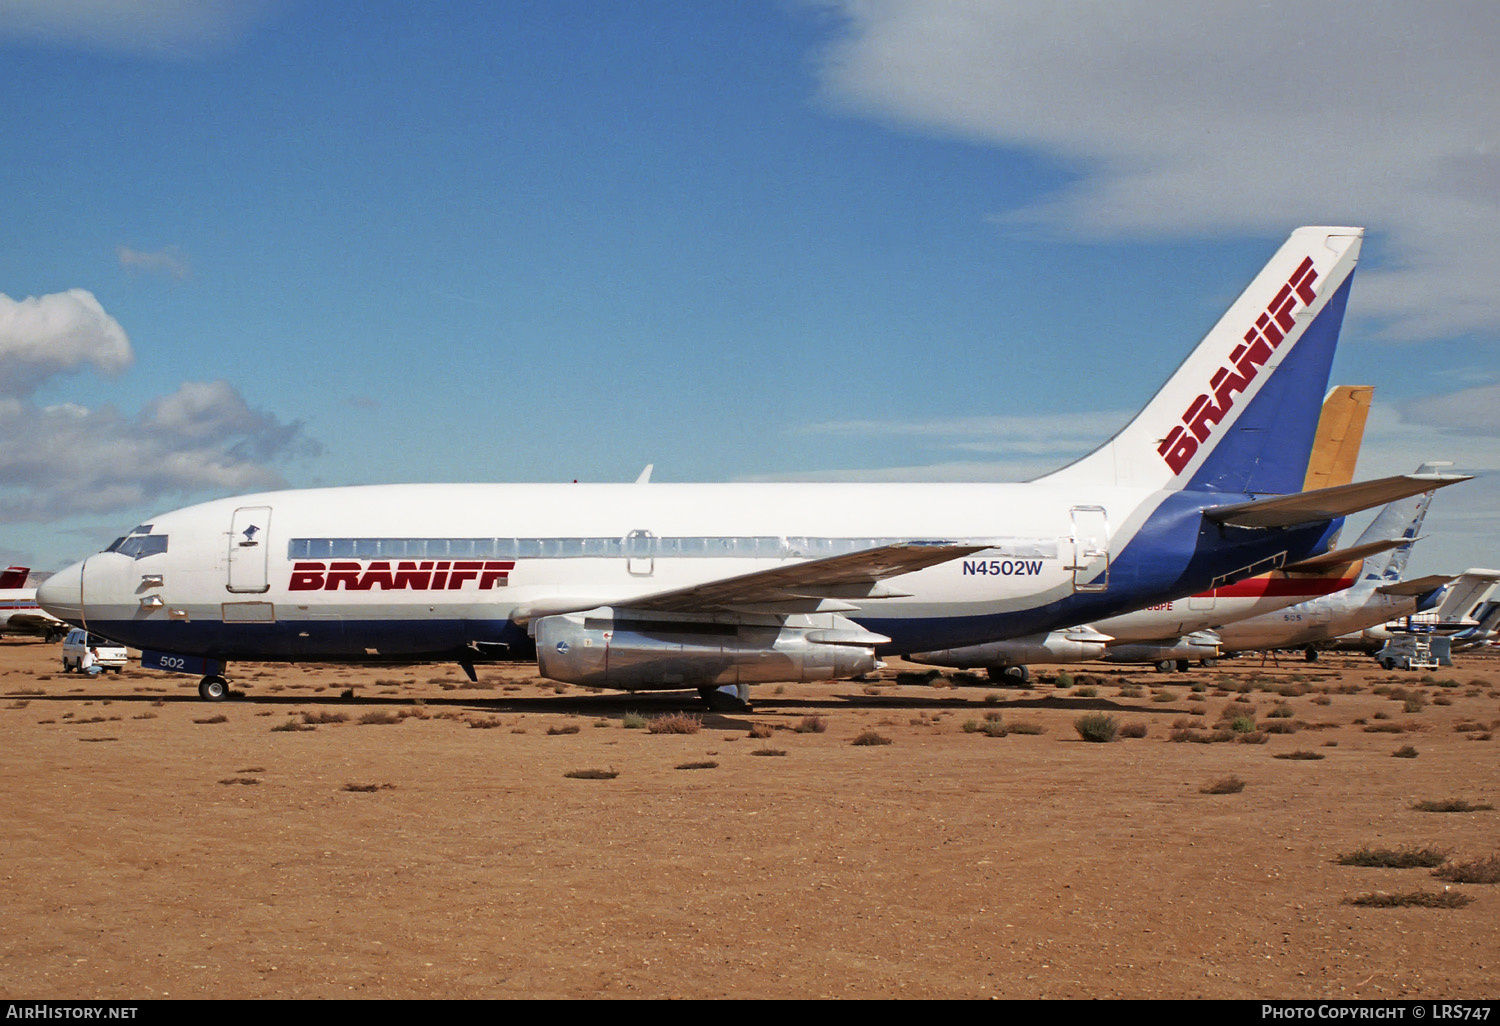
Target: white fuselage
1320 619
391 570
20 614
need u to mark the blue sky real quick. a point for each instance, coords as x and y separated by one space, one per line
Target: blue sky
250 243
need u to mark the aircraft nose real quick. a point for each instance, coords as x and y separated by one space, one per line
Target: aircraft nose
62 594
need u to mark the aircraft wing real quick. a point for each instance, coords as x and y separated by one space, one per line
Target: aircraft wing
1328 503
1339 557
853 574
36 623
1420 586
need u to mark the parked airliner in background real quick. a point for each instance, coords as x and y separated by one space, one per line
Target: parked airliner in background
718 586
1462 609
19 612
1380 594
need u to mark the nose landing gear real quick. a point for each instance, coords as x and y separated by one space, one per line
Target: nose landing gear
213 688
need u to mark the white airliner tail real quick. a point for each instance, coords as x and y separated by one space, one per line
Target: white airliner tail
1240 413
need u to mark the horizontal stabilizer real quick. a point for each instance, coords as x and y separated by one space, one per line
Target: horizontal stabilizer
1341 557
1328 503
1420 586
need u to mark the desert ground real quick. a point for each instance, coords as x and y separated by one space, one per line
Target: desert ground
398 832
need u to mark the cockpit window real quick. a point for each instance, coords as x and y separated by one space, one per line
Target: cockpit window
141 529
114 546
141 546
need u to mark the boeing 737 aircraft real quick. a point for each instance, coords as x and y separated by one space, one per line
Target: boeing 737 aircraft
19 612
715 586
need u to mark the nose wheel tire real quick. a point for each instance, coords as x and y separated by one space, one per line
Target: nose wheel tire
213 688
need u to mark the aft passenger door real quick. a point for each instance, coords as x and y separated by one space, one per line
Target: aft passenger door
249 549
1090 549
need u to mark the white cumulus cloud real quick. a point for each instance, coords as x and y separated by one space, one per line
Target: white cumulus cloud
175 28
169 260
69 459
1180 118
45 335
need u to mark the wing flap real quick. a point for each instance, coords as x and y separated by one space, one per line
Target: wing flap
1328 503
838 577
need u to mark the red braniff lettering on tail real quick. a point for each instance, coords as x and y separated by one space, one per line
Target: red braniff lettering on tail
1231 381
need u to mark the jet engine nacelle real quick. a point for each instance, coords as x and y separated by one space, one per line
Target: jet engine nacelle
1071 646
646 650
1203 645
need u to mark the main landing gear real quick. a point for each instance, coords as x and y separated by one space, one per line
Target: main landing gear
213 688
1014 676
729 698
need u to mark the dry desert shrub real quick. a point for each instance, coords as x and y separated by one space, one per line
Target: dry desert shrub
380 717
221 718
1392 858
674 723
324 717
1201 737
1411 899
1480 871
368 788
1302 755
567 728
701 764
292 727
1404 752
1451 805
769 751
239 780
1133 730
1097 727
869 738
1229 785
811 725
761 731
592 774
